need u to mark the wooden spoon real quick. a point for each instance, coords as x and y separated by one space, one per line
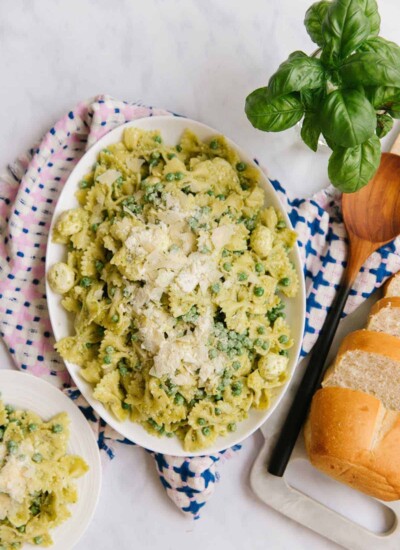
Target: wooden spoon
372 219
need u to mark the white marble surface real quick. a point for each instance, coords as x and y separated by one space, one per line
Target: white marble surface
199 58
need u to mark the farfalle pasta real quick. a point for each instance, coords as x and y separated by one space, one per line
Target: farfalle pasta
36 476
179 274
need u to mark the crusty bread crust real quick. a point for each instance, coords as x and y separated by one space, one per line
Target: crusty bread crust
389 301
371 342
351 437
390 283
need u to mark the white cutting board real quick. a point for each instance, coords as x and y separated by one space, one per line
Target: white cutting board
335 511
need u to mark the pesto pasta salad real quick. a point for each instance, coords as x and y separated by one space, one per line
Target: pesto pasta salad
175 275
36 476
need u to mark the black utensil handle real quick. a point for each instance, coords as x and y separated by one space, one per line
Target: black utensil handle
310 382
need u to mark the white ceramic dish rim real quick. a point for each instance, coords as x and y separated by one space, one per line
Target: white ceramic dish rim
169 126
28 392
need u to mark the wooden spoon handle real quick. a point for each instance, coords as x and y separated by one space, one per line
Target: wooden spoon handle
395 149
309 384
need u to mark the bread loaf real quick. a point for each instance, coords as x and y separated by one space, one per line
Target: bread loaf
385 316
368 361
352 437
392 287
353 430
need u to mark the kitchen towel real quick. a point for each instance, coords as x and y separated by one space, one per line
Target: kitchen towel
28 195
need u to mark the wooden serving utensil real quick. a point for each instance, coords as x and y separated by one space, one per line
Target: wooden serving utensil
372 219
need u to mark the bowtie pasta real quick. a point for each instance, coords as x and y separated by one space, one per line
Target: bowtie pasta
175 275
36 476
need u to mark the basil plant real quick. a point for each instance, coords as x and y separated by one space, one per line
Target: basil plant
348 91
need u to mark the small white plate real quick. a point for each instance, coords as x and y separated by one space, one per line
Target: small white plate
27 392
171 129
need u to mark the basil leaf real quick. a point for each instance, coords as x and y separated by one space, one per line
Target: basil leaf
351 169
298 72
311 130
313 21
344 29
383 47
370 8
378 64
273 114
347 117
383 97
384 123
312 99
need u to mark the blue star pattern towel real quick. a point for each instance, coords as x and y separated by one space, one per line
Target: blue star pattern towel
28 194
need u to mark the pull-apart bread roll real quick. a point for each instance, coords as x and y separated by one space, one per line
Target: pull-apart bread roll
353 430
352 437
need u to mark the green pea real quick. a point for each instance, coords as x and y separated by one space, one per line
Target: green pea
241 166
34 509
178 148
237 388
242 276
283 339
236 365
109 349
205 250
37 457
259 267
265 345
32 427
260 330
57 428
210 192
201 421
21 528
83 184
158 139
284 352
179 175
115 318
94 227
216 287
155 155
179 399
38 540
212 354
206 431
281 224
258 291
218 411
12 447
86 282
107 360
169 434
227 266
170 176
258 342
214 144
9 409
285 281
123 370
171 156
126 406
221 197
232 427
245 186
